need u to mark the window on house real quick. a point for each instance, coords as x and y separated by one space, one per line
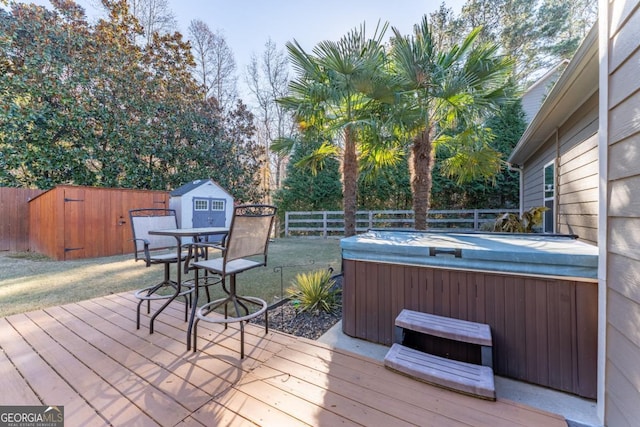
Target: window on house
549 198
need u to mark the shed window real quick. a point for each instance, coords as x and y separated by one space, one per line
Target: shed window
217 205
549 198
201 205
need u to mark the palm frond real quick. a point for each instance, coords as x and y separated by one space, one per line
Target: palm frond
283 146
473 158
316 160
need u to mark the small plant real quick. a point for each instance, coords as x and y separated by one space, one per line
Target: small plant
511 223
314 291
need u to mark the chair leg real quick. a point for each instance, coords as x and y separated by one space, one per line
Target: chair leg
226 315
235 300
195 334
138 313
240 315
167 280
241 340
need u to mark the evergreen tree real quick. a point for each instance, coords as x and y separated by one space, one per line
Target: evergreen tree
84 104
501 192
387 189
310 189
538 34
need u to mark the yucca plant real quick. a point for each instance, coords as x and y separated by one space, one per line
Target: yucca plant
511 223
315 291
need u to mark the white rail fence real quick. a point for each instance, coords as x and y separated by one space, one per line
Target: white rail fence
331 223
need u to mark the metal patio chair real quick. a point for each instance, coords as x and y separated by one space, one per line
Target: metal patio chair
245 248
159 249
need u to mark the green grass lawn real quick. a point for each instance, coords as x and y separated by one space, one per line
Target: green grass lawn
29 281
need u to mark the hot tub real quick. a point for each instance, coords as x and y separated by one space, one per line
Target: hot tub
537 292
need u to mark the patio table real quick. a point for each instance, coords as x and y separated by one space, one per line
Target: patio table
179 234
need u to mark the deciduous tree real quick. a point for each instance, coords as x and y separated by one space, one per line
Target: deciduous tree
155 16
215 64
268 80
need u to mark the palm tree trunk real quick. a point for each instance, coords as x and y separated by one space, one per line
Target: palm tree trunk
350 182
422 160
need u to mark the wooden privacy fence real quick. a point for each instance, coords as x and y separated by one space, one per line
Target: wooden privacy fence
14 218
328 223
72 222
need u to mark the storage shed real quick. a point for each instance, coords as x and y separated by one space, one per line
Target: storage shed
72 222
202 203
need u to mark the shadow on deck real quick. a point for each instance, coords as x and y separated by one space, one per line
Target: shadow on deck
89 358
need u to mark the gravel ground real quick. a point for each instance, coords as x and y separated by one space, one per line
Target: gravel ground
302 324
312 325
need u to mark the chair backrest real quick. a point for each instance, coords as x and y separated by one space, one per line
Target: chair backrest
249 232
144 220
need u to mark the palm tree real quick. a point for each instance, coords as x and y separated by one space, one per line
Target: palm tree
336 90
446 95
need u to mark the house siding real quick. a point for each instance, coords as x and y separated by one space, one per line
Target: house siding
533 174
532 100
535 95
577 187
575 148
622 366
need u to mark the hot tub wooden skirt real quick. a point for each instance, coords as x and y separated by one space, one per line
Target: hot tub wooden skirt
544 329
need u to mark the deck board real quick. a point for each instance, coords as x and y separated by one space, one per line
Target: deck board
369 373
15 386
89 357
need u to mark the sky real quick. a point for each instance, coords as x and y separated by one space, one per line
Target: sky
248 24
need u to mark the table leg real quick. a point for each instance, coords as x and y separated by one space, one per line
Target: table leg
194 307
178 288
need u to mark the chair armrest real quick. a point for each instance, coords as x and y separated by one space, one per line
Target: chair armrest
199 250
223 237
147 254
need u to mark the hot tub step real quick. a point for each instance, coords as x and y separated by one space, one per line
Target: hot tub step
445 327
449 328
467 378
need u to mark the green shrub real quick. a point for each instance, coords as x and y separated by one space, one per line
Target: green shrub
315 291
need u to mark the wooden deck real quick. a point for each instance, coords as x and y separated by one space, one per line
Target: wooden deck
89 358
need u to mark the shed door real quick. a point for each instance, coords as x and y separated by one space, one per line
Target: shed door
74 223
209 212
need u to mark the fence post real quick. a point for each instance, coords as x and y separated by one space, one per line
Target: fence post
324 224
476 217
370 220
286 224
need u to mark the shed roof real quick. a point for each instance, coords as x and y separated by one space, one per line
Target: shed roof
578 82
190 186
